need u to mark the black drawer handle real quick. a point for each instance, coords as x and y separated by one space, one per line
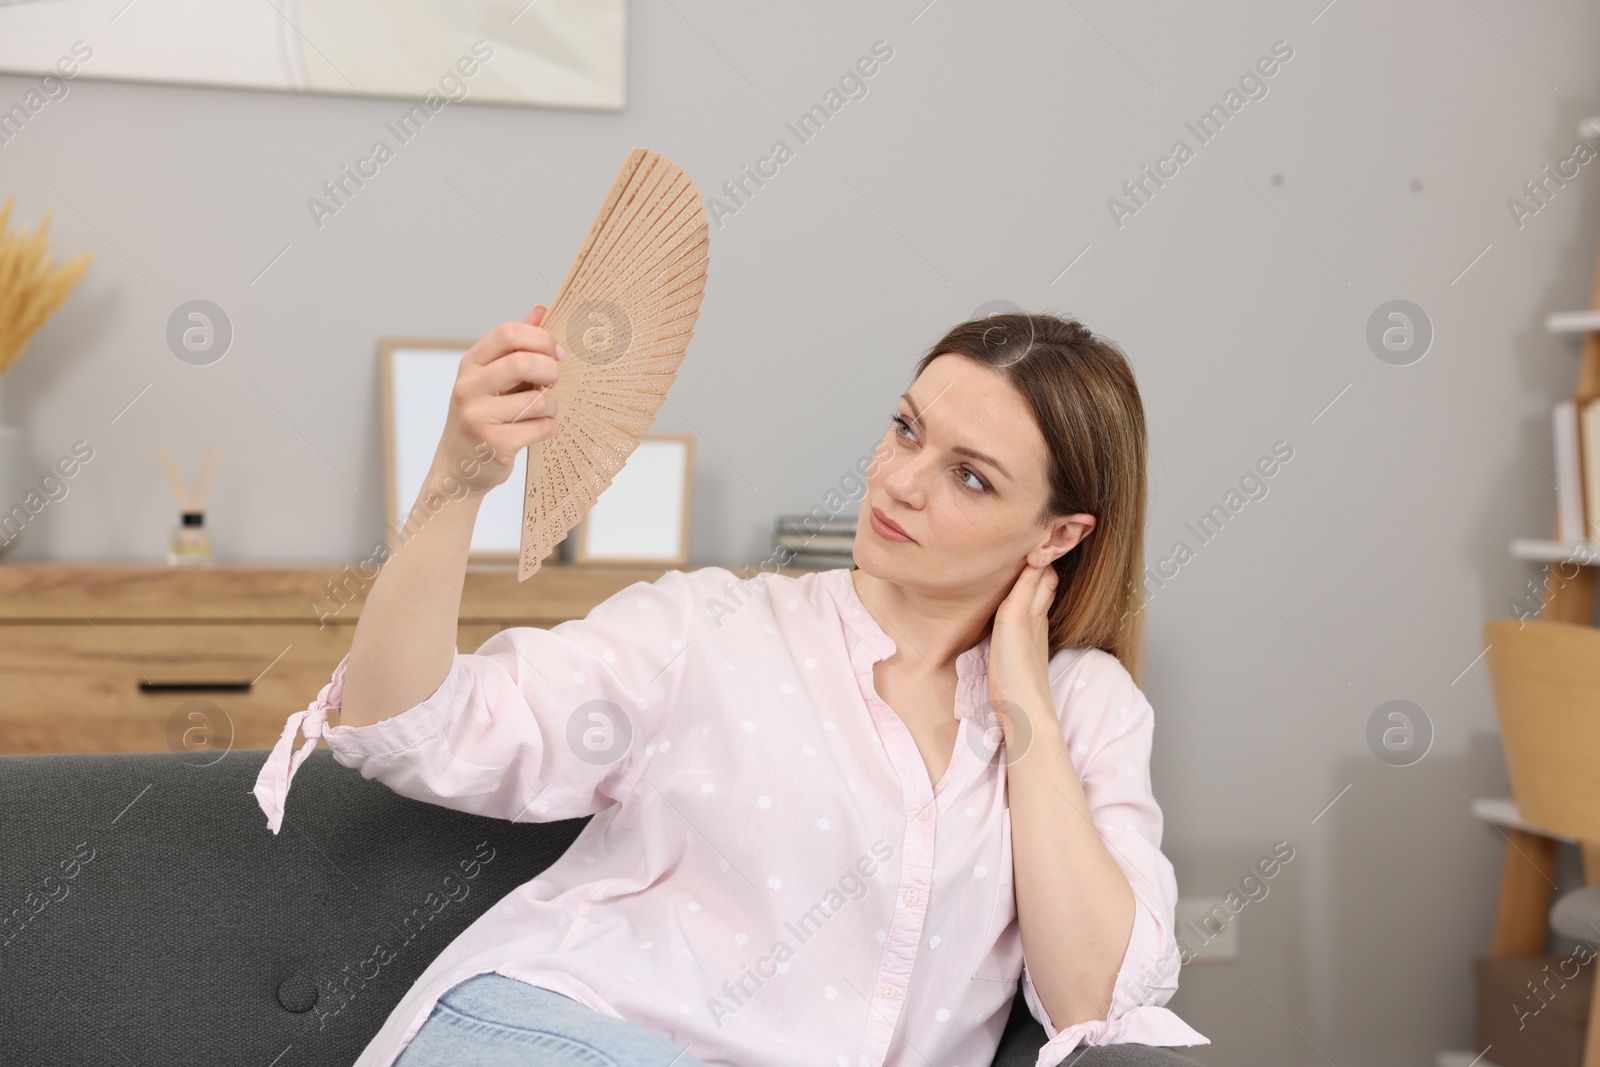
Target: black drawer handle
195 687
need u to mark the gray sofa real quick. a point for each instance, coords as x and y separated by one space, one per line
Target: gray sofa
148 917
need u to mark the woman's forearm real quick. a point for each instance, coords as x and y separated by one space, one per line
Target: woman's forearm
405 638
1075 907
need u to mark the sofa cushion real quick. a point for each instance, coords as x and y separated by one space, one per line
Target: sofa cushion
153 918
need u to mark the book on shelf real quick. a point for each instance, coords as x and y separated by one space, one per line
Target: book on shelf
807 525
822 560
1575 424
1569 477
1589 437
801 542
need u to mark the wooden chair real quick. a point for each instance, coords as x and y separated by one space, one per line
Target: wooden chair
1546 682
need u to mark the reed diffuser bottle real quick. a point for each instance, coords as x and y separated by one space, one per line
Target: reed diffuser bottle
190 544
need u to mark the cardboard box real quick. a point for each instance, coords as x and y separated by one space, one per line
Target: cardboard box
1530 1011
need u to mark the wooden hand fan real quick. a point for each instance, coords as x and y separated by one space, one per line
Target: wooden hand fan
624 313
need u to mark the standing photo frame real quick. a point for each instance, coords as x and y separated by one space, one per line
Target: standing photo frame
416 377
642 517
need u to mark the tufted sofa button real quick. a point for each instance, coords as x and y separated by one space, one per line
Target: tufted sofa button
297 993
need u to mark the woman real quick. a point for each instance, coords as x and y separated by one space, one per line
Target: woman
837 817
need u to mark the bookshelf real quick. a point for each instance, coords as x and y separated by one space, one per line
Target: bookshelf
1529 863
1571 596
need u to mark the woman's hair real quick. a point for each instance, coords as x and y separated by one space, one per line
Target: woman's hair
1087 406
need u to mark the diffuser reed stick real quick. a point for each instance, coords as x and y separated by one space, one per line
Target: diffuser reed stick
208 477
172 475
190 542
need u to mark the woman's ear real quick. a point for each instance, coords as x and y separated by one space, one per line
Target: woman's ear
1065 534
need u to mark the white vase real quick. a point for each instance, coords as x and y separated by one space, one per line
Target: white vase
11 465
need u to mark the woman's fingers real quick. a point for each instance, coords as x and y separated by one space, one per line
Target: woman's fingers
510 438
1044 593
513 337
501 400
516 372
516 407
1033 591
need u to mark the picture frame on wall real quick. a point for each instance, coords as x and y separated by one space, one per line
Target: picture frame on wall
642 517
416 377
430 55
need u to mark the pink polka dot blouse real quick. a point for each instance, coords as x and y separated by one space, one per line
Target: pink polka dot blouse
770 878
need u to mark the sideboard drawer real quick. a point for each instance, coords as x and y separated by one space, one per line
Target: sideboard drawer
148 687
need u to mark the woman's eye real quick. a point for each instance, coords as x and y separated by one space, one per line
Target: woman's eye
901 424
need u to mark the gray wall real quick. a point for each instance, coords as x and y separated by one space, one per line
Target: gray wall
978 166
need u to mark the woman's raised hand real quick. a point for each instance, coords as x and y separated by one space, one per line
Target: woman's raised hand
500 404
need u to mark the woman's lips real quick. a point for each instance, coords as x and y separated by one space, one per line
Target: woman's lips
887 530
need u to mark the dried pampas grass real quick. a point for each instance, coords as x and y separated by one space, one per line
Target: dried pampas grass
32 287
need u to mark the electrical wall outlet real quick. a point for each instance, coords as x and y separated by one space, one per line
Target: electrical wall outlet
1207 929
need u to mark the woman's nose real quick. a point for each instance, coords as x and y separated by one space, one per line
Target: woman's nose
904 481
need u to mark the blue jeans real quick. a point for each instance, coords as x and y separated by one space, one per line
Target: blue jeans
490 1020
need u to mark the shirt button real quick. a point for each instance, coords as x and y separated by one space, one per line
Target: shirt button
888 991
911 897
924 815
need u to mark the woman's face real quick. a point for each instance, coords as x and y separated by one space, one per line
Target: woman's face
962 470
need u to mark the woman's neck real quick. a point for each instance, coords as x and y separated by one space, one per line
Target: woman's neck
928 632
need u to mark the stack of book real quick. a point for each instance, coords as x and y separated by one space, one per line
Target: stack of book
1577 447
825 544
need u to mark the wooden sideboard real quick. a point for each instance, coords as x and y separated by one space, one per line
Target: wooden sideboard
142 657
